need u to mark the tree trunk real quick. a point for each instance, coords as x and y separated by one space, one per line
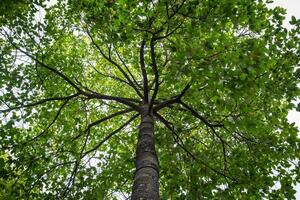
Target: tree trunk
146 185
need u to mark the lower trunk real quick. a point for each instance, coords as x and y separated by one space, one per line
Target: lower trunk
146 185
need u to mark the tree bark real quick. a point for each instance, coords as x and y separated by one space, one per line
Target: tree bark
146 184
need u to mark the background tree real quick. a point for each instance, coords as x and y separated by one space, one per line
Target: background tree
214 79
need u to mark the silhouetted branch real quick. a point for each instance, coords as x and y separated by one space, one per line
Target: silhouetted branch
242 136
40 102
110 76
144 73
172 100
63 76
70 180
115 64
102 120
155 70
197 115
109 136
167 9
129 72
169 33
123 100
211 126
50 171
143 30
52 122
80 91
196 139
176 10
181 145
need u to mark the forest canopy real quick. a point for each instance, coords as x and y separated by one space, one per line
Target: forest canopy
169 99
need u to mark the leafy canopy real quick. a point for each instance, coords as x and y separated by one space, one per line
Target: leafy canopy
223 74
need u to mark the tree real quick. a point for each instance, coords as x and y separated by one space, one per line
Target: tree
158 99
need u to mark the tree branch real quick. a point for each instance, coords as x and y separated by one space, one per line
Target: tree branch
71 179
172 100
123 100
50 171
170 33
109 136
211 126
129 72
197 115
144 73
52 122
102 120
181 145
143 30
68 80
110 76
176 10
155 70
40 102
115 64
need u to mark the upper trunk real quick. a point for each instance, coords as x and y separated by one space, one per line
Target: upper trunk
146 184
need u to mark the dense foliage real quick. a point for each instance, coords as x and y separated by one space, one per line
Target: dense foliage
220 77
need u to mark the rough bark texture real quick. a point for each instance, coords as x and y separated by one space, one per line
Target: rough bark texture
146 185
